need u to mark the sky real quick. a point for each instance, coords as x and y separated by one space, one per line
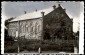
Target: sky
75 10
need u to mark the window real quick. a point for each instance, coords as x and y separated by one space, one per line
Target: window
31 29
36 27
62 23
11 32
47 26
31 23
26 28
39 28
23 29
69 29
53 15
57 14
62 15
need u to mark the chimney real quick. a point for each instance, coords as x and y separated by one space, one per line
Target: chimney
25 12
42 13
36 10
59 5
54 7
64 9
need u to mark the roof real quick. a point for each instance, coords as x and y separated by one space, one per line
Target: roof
33 15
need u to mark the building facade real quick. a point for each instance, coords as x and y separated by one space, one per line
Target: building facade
57 24
29 29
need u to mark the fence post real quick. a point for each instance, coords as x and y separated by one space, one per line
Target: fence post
39 50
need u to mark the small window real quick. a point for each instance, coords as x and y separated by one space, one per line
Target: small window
62 15
62 23
69 29
53 15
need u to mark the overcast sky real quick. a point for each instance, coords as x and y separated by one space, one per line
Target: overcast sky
74 10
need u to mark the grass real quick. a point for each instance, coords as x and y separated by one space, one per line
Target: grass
33 45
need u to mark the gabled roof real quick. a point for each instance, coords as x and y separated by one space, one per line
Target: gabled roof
7 20
33 15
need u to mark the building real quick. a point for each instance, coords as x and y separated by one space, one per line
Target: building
43 24
28 28
57 24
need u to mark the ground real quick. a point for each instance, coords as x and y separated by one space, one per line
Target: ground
26 45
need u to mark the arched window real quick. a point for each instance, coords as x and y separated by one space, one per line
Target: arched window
11 32
31 28
22 29
37 27
69 29
26 26
31 23
28 29
62 23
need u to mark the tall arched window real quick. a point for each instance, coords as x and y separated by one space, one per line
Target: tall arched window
26 25
62 23
31 23
31 28
22 29
37 28
28 29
